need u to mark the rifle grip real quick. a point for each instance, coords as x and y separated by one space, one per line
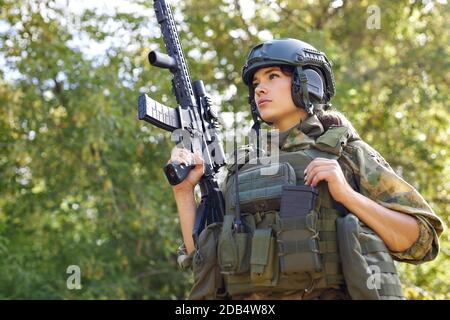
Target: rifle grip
176 173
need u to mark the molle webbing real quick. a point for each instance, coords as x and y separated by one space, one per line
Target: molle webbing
308 239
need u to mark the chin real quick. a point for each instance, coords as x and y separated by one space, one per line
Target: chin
267 116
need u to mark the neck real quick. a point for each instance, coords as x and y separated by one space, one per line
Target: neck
290 120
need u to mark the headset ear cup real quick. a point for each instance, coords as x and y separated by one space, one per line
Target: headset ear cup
315 87
315 84
296 90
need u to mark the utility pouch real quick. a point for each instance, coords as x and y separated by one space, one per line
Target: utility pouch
208 281
297 201
234 247
262 259
260 187
368 268
298 245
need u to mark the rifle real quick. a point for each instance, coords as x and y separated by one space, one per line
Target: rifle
194 121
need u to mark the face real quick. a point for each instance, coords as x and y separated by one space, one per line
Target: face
273 98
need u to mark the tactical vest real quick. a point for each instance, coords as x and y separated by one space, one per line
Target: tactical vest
294 237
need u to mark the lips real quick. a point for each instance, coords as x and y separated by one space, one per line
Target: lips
260 102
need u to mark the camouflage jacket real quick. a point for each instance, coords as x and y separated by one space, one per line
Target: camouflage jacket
369 174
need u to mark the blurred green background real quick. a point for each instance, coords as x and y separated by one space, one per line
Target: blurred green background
81 179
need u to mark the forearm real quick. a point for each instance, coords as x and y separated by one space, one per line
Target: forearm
399 231
187 208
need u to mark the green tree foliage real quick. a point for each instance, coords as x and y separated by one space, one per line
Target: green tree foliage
80 177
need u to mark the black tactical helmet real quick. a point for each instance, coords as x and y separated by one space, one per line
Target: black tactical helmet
312 81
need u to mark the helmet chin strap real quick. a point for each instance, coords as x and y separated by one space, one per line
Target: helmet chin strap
256 126
256 121
300 83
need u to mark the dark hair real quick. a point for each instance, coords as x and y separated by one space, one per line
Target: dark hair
330 118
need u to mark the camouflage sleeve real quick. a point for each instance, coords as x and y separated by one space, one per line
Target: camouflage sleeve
423 249
376 180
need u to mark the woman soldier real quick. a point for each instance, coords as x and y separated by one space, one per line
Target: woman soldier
363 206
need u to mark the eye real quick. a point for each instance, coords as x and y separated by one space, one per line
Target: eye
254 85
273 75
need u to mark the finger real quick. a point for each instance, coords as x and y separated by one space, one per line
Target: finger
190 157
176 155
186 159
179 151
317 161
322 175
314 170
320 162
316 165
185 152
311 174
198 158
179 160
175 152
194 158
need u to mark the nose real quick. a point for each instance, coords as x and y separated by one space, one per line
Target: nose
260 89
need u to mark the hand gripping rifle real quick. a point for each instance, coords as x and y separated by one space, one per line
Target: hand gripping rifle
193 123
